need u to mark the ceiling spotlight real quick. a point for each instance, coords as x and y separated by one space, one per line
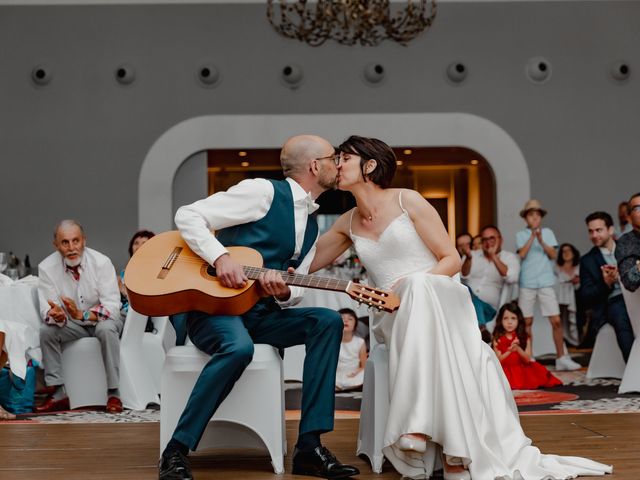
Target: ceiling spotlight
244 164
242 153
474 162
399 163
407 151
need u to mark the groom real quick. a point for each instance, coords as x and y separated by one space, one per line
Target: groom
273 217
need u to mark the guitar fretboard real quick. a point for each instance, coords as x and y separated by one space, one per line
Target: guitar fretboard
301 280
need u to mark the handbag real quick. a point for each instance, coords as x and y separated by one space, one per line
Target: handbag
17 395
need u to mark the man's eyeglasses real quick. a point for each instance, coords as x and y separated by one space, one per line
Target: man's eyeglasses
334 156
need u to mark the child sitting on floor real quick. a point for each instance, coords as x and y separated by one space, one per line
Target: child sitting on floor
513 348
353 354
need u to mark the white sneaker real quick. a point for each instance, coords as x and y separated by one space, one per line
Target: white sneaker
565 363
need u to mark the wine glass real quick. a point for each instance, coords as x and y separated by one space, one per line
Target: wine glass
4 261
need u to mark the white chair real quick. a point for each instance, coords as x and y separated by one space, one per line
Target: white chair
375 405
631 377
252 416
137 389
294 362
85 379
606 358
155 346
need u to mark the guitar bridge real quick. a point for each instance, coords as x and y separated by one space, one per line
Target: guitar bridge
169 262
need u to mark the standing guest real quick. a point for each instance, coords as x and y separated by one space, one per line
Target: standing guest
139 238
274 217
486 271
628 249
463 244
513 348
79 298
568 273
599 282
623 219
353 353
537 249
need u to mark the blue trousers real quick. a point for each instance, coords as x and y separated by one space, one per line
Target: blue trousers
230 339
618 317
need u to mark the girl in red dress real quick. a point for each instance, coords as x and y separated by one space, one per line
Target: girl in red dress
513 348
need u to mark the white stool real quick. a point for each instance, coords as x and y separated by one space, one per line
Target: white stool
375 406
252 415
294 362
606 358
85 379
155 346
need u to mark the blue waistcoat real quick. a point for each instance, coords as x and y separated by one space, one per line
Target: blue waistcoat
274 235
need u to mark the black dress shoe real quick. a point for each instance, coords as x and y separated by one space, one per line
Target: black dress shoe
321 463
175 467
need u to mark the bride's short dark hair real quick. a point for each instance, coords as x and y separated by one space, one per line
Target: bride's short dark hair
372 148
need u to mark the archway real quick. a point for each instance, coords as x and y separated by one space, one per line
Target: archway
270 131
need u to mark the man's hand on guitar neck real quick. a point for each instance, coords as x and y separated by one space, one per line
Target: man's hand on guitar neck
272 284
229 272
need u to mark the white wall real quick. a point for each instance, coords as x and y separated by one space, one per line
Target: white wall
75 147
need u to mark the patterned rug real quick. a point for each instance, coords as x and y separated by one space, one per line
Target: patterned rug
577 395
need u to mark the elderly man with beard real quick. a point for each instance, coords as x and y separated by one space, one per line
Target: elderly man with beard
79 297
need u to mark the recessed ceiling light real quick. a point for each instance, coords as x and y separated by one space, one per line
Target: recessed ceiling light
407 151
242 153
474 162
245 164
399 162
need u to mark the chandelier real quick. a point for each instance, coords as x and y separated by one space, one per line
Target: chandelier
348 22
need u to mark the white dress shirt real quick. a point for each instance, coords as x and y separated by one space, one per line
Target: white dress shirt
485 280
246 202
98 284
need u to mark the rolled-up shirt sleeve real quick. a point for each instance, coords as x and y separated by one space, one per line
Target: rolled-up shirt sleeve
513 267
248 201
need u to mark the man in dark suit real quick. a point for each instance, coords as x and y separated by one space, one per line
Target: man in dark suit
599 282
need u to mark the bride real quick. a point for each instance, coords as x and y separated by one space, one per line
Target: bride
447 389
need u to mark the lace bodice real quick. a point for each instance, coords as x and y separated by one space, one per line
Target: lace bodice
399 251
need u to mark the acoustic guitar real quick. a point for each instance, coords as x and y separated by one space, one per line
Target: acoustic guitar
165 277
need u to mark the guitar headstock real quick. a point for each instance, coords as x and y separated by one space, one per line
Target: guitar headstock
373 297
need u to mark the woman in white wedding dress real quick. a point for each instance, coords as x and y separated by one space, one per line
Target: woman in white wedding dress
447 388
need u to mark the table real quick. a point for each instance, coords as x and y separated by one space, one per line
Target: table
19 303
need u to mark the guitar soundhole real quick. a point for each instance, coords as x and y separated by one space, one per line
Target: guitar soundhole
211 271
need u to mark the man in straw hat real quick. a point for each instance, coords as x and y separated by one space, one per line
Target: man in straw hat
537 249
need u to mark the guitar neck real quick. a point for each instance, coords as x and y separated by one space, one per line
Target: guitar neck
300 280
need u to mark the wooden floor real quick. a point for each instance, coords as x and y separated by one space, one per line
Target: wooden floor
130 451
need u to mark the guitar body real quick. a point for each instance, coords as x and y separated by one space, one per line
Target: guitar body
165 277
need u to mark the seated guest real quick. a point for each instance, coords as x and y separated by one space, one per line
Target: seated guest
476 243
15 340
628 248
486 271
568 274
599 282
4 415
79 298
513 348
138 239
463 244
353 353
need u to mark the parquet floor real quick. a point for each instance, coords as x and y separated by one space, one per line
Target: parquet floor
130 451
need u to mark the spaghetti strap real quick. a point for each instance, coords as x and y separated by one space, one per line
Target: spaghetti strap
399 200
351 220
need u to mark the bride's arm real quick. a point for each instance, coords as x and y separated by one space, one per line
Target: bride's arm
432 232
331 244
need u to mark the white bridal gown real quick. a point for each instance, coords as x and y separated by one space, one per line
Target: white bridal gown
444 381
